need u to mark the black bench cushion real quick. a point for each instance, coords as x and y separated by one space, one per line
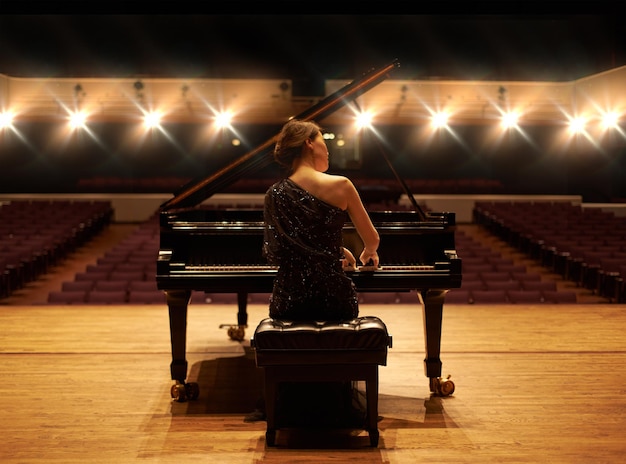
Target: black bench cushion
360 340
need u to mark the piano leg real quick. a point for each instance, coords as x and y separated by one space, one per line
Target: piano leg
432 301
177 301
237 332
242 303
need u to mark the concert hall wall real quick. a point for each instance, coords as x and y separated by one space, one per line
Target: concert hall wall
41 158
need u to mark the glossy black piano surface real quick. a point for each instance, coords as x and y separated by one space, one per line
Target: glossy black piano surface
220 251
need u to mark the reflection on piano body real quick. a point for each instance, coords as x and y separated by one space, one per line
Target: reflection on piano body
220 250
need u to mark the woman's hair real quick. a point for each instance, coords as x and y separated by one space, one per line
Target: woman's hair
291 139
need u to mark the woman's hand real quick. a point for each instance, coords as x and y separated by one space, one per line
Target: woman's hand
348 261
369 258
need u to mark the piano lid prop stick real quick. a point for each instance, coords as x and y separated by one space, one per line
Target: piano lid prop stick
405 187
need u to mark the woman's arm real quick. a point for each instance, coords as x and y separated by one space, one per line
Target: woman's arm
363 224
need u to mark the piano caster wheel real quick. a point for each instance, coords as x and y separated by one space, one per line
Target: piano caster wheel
193 390
182 392
178 393
442 387
235 332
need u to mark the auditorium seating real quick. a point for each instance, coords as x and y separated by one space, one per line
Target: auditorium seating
489 297
93 276
127 269
525 296
525 276
142 286
538 285
458 296
582 244
38 234
472 284
111 286
77 285
498 296
107 297
488 277
502 285
67 297
559 297
379 297
485 270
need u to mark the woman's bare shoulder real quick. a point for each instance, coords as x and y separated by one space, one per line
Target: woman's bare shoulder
338 180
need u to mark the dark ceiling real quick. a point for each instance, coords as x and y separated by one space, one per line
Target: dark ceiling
309 49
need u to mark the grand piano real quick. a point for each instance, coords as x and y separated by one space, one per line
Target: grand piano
219 250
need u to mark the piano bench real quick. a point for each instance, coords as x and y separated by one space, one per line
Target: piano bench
321 352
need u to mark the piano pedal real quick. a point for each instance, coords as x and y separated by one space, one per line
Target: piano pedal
442 387
235 331
182 392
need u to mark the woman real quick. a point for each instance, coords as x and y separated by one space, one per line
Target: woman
304 217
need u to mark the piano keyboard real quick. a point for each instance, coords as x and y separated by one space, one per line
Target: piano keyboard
264 267
229 267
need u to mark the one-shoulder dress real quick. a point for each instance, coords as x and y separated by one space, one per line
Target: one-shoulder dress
303 237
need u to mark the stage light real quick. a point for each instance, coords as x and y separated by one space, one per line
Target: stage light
363 120
439 120
152 120
577 125
78 120
610 120
6 119
223 120
509 120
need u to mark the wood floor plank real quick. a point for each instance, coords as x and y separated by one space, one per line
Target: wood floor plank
533 384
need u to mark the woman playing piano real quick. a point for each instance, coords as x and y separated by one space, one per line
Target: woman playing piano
304 216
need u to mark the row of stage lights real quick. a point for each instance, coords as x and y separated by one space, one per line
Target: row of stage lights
79 119
438 120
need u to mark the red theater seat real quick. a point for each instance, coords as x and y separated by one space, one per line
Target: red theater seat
540 285
458 296
560 296
107 297
489 297
69 297
525 296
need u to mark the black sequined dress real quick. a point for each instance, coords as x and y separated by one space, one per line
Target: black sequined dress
303 237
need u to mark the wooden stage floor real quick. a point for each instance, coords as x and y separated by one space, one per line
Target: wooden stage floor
533 385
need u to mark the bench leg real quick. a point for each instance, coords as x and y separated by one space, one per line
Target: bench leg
270 407
371 386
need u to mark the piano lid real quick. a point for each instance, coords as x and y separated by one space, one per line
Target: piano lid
198 191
